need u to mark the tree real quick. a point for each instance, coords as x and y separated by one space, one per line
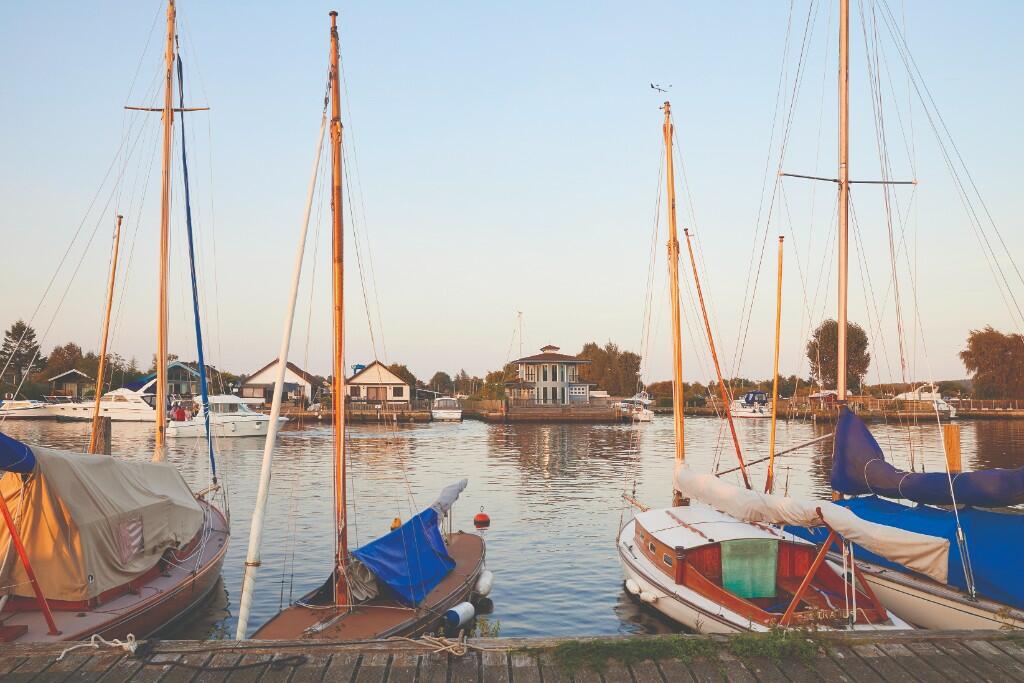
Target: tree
171 357
822 352
441 382
19 353
64 358
996 363
405 374
610 368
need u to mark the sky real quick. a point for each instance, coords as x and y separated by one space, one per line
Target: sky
504 157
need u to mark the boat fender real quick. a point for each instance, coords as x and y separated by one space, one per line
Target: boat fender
460 615
482 520
633 587
484 583
648 597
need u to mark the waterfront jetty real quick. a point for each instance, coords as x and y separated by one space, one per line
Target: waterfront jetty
528 410
893 656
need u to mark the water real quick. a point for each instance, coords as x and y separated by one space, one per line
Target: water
553 493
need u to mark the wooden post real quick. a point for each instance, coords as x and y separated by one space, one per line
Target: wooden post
844 194
101 436
673 273
770 479
100 372
951 445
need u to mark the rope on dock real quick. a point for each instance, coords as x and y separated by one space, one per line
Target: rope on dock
439 644
129 644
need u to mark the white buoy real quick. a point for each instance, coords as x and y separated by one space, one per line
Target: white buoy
460 615
633 587
484 583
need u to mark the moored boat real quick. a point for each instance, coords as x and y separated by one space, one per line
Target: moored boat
24 409
753 404
446 409
637 408
229 416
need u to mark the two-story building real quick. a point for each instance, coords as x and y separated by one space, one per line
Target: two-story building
549 378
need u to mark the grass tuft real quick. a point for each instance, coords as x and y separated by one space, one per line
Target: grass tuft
777 644
595 654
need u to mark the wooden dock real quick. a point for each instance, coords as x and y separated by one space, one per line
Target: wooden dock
895 656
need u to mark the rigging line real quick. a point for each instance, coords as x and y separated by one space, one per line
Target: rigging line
359 263
965 200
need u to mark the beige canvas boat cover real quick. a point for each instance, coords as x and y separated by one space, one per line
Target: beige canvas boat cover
91 522
928 555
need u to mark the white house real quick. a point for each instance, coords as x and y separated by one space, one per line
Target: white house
299 385
549 378
376 384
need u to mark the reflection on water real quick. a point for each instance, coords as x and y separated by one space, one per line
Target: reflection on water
553 493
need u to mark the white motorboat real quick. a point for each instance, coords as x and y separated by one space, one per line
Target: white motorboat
929 393
24 409
446 409
754 404
120 405
229 416
637 408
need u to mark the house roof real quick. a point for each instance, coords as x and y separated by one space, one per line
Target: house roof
312 379
375 373
551 357
72 371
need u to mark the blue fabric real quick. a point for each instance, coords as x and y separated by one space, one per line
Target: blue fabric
859 467
991 543
140 382
195 288
411 560
15 456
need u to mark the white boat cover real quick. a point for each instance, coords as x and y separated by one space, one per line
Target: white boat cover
449 494
928 555
91 523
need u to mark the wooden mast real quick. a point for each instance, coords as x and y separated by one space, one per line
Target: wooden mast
769 480
103 341
844 193
341 596
165 219
722 389
673 274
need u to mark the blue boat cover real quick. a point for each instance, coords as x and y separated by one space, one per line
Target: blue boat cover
411 560
15 456
997 566
859 467
140 382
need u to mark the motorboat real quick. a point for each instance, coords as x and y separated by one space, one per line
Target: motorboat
120 405
637 408
24 409
229 416
755 404
446 409
929 393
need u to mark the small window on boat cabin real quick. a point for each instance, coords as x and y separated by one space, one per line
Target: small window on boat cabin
398 392
667 559
650 546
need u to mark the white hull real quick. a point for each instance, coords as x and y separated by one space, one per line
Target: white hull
751 413
116 411
222 426
688 607
33 413
446 415
643 415
930 605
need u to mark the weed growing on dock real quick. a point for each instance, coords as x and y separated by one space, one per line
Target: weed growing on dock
595 654
777 644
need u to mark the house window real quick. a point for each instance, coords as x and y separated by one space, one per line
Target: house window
531 373
399 392
545 394
544 370
353 391
561 394
561 372
667 560
377 393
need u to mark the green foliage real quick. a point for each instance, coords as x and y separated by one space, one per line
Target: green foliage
595 654
822 353
405 374
485 628
996 363
777 644
441 382
610 368
493 385
20 354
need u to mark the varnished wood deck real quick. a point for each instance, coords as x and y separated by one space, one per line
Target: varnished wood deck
896 656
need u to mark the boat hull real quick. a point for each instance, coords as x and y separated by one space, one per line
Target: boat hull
255 425
446 415
154 606
84 411
37 413
384 619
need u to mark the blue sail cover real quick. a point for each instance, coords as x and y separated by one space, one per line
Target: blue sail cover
859 467
15 456
997 566
411 560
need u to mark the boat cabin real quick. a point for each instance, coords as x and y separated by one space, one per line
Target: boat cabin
755 398
445 404
755 576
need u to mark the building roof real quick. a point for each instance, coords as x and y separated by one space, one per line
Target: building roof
376 373
72 371
549 354
312 379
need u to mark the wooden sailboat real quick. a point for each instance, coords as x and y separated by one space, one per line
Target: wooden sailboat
137 553
401 584
713 563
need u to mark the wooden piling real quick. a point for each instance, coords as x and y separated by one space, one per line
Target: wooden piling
951 445
101 437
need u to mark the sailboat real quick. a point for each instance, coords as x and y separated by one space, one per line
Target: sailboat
713 563
405 582
137 549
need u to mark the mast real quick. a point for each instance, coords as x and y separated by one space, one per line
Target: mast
103 342
673 275
165 219
770 479
722 389
844 192
338 279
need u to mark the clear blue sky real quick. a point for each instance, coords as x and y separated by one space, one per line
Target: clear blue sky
508 159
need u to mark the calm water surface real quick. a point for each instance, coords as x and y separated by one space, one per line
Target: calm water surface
553 493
